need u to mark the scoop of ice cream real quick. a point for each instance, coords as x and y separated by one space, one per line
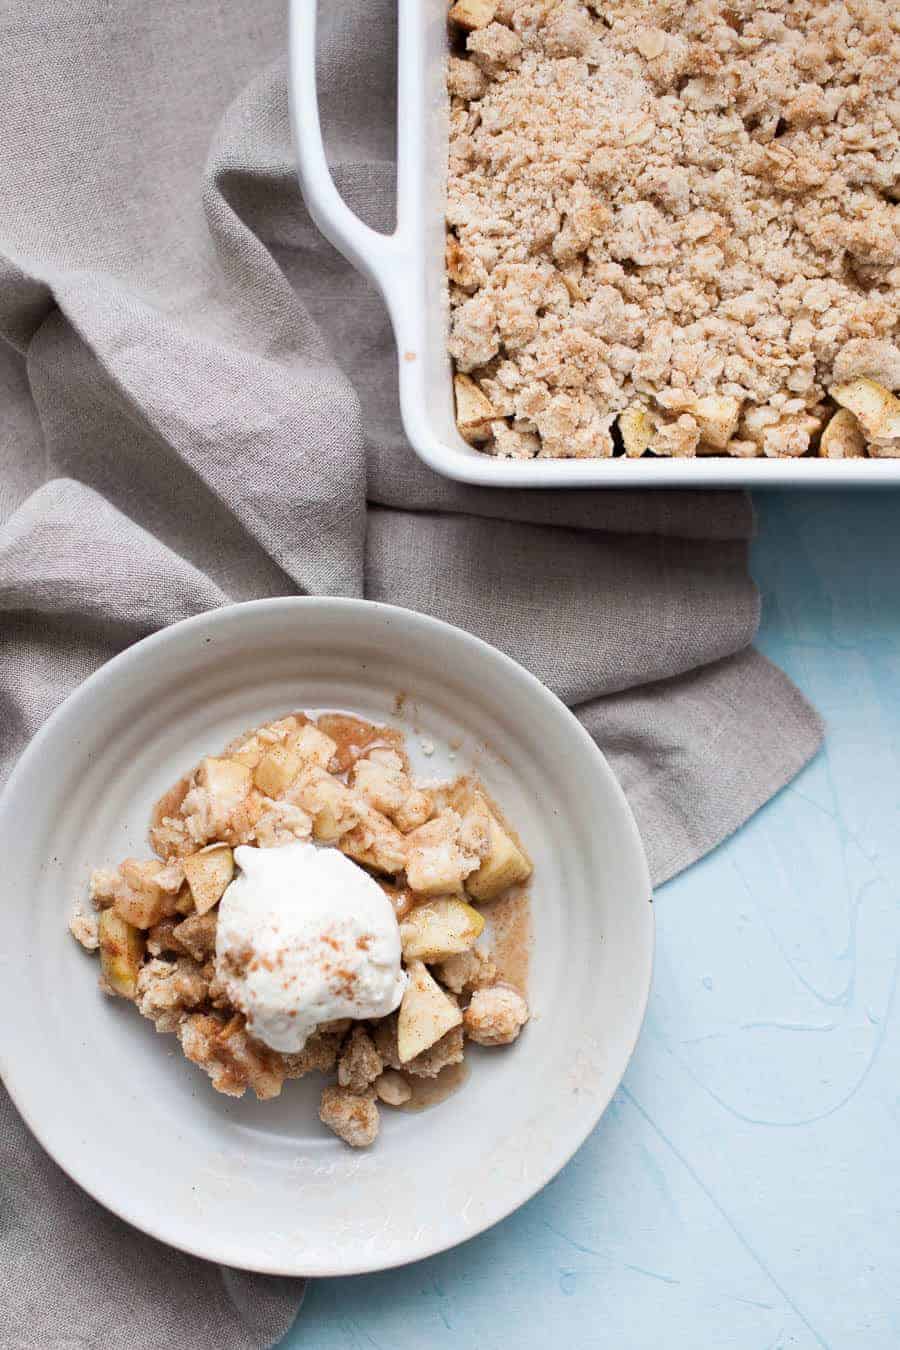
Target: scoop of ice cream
306 936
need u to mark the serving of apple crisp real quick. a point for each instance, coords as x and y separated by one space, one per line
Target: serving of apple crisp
673 227
310 907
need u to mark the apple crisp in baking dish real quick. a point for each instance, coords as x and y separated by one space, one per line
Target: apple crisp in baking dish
673 227
311 908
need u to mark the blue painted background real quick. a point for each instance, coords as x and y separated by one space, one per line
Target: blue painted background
743 1190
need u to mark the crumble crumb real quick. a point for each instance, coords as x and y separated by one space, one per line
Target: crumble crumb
161 937
353 1118
197 935
231 1058
360 1064
167 989
85 928
495 1016
103 885
319 1054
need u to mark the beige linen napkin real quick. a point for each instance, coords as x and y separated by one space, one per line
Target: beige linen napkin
198 404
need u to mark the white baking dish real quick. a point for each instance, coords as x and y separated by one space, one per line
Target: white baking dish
408 268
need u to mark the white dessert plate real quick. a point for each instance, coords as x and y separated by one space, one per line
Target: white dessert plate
264 1186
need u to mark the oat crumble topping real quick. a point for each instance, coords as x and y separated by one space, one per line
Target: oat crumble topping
673 226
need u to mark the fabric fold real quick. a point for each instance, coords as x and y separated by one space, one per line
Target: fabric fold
740 717
588 613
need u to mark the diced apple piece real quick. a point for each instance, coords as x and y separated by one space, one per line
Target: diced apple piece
224 778
331 805
504 866
843 437
275 733
475 827
440 856
464 267
277 770
142 874
312 746
240 827
121 953
209 873
426 1014
471 14
636 426
717 416
141 901
223 787
438 929
375 842
474 411
876 409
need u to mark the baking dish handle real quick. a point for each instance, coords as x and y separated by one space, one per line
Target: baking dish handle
373 253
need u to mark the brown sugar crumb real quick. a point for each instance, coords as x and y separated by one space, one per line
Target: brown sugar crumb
319 1054
652 206
360 1064
161 938
353 1118
167 989
196 935
83 926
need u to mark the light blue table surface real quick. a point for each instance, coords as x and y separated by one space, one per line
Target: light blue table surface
743 1189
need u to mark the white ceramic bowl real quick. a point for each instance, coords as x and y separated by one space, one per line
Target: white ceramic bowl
264 1186
408 268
